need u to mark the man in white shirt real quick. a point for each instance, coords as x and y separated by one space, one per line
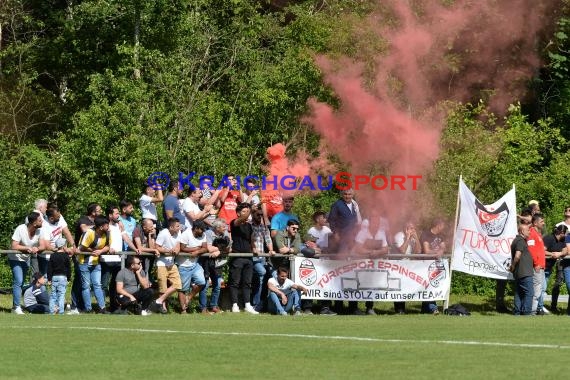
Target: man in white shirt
54 229
192 242
148 201
111 263
168 246
191 208
320 230
284 294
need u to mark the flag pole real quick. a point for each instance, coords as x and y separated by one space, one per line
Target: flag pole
446 302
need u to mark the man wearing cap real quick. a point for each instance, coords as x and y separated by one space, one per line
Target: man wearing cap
36 297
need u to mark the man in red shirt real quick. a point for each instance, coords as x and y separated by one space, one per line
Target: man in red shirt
229 199
538 253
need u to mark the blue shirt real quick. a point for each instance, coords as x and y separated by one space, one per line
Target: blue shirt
279 221
129 223
170 203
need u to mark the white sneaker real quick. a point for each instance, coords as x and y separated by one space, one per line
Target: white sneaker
546 311
250 309
144 313
235 308
73 312
17 310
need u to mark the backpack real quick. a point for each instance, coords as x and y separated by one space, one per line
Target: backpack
457 309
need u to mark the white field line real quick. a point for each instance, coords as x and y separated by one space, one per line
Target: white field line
303 336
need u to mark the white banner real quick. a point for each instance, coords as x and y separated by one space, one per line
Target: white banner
373 279
484 234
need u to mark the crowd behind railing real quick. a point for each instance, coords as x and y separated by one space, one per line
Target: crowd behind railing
201 239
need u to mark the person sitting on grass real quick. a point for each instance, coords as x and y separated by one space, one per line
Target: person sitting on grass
284 294
36 297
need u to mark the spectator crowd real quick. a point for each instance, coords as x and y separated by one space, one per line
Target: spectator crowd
184 254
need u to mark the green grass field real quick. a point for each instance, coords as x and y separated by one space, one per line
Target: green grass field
484 345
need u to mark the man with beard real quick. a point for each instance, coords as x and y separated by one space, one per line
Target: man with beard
111 263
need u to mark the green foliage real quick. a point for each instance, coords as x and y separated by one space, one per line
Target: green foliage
96 95
463 284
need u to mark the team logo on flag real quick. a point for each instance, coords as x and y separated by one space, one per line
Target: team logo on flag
493 222
307 272
436 273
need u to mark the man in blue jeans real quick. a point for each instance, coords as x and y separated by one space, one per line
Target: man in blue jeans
522 270
96 242
284 294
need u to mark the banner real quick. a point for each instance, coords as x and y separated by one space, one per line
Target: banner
373 279
484 234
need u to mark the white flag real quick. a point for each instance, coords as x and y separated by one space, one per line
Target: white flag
484 234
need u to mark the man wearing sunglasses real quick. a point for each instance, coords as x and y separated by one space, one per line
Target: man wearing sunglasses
288 242
133 288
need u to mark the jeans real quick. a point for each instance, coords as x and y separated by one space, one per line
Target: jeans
19 271
91 276
191 275
241 271
210 271
109 273
523 296
537 283
57 296
259 271
275 306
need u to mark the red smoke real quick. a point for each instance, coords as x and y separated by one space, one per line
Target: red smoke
466 51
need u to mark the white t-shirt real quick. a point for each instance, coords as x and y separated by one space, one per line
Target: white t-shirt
22 237
322 236
116 242
52 233
147 207
400 238
189 240
285 288
189 206
365 234
167 241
